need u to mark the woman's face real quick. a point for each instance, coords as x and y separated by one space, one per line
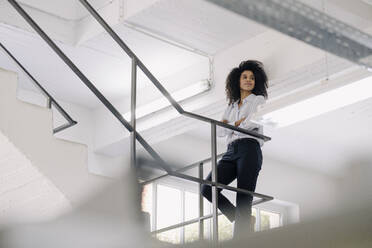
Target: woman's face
247 81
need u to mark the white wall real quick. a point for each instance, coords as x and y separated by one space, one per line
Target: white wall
83 132
354 189
29 128
314 192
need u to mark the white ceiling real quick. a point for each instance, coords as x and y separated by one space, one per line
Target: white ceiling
197 24
100 59
67 9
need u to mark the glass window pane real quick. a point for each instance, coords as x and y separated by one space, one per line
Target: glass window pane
147 198
269 220
168 206
207 229
192 232
254 213
191 206
225 228
207 207
146 202
172 236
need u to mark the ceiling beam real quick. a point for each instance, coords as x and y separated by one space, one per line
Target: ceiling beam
307 24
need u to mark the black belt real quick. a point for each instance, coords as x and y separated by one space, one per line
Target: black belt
242 140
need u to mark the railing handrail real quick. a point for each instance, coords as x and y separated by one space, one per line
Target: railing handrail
177 173
188 167
50 98
116 113
131 127
87 82
157 84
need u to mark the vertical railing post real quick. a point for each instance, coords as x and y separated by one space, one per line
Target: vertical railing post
133 113
49 103
214 180
201 203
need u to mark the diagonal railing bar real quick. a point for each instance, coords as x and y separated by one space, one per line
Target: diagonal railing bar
63 127
188 167
189 222
51 100
178 174
130 128
87 82
156 82
131 54
115 112
221 186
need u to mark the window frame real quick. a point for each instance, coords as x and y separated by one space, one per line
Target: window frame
268 207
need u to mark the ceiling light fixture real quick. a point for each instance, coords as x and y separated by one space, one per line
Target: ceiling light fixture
159 104
320 104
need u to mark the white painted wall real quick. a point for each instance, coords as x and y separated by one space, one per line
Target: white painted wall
315 193
26 194
83 132
354 189
29 128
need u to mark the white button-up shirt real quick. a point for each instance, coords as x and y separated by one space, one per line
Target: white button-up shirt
233 113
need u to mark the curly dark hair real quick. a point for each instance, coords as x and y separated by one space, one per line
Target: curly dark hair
233 80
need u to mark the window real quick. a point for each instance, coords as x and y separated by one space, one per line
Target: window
173 206
269 220
265 220
169 205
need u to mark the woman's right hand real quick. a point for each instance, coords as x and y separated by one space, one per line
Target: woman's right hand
237 123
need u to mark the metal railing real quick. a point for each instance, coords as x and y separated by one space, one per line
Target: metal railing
202 217
50 100
131 127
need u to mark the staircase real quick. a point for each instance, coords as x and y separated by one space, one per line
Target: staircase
40 175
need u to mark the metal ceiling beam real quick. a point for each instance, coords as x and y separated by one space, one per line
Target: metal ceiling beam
307 24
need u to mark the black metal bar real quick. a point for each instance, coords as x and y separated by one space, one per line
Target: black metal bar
220 185
202 181
112 109
221 124
87 82
189 222
133 113
121 43
50 99
182 169
201 203
183 224
215 180
64 126
49 103
153 79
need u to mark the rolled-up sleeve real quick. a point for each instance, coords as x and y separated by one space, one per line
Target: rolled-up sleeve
221 131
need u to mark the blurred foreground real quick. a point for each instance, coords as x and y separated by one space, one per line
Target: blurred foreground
112 218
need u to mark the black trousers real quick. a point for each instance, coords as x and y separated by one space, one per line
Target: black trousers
242 161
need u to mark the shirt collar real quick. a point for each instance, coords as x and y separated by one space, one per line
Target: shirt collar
244 101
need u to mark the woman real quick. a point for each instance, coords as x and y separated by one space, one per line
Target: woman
245 90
